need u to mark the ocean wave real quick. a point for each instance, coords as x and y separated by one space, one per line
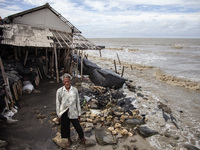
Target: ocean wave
123 63
177 81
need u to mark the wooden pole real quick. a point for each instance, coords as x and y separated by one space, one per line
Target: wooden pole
131 67
19 51
15 53
100 53
26 56
5 81
77 66
122 71
52 64
118 59
81 65
115 66
36 51
56 63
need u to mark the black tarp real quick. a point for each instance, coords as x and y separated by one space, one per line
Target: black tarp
98 76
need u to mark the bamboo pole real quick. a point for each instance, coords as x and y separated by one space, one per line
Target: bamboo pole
15 53
81 65
56 63
6 83
100 53
77 66
115 66
52 64
118 59
26 56
122 71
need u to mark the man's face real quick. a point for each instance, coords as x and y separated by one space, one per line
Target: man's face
67 83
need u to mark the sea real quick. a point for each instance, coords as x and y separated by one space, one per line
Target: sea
168 70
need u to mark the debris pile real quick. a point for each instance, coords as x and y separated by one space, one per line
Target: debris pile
108 116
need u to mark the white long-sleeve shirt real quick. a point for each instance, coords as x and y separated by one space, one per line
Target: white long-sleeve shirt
68 100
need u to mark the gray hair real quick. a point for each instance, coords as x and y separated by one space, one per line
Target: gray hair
66 75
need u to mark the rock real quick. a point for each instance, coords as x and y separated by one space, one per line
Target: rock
88 129
111 129
90 143
146 132
190 147
118 114
169 134
134 122
88 124
123 117
56 121
61 142
117 125
104 137
40 116
133 140
140 95
3 143
124 132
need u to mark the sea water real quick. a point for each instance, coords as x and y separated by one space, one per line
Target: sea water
168 71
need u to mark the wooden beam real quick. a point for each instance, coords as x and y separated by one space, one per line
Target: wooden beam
26 56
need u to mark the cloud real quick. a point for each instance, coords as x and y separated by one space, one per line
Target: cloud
125 18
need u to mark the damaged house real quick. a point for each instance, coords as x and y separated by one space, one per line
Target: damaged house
35 43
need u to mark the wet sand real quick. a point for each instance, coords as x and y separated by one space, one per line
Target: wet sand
29 132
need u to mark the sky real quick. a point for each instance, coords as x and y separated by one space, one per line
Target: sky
122 18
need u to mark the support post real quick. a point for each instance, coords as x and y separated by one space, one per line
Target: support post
26 56
118 59
81 65
100 53
122 71
56 63
115 66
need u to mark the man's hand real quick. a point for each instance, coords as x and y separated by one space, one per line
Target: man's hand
79 117
59 119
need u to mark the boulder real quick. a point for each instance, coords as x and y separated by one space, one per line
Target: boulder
134 122
104 137
146 132
90 143
190 147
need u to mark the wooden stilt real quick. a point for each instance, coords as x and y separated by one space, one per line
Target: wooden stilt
118 59
115 66
26 56
15 53
81 65
100 53
56 63
5 81
52 63
122 71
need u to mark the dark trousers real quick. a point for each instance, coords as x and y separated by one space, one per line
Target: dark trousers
65 126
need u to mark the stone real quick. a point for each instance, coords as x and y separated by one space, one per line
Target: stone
111 128
146 132
89 142
190 147
117 125
104 137
3 143
88 124
88 129
134 122
61 142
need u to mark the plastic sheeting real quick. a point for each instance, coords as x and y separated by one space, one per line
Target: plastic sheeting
98 76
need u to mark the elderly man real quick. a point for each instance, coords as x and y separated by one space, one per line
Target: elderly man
68 109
